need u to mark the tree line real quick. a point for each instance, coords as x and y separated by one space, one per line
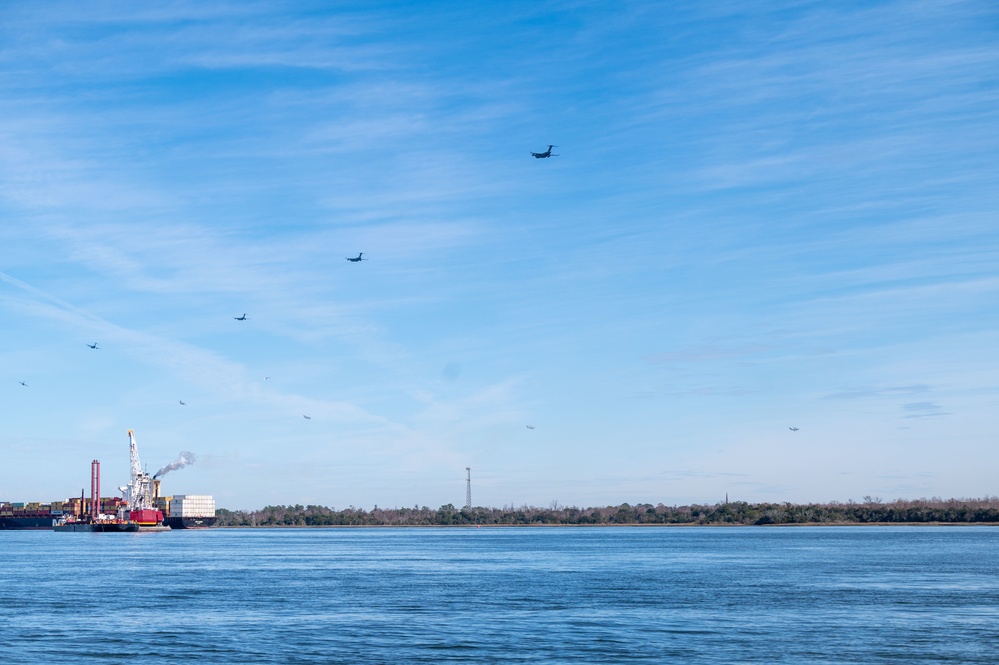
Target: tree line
870 511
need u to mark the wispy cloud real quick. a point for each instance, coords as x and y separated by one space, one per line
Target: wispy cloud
865 392
923 410
226 379
782 208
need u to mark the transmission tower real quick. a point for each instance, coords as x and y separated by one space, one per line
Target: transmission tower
468 487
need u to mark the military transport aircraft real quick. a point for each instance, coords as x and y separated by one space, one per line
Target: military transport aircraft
94 346
357 258
546 153
240 318
793 429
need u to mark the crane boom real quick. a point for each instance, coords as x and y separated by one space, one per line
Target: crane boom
133 454
139 494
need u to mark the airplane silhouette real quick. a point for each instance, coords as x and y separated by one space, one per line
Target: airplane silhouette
240 318
793 429
307 417
546 153
183 403
356 259
24 384
530 427
94 346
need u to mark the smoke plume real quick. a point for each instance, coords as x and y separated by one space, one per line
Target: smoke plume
182 461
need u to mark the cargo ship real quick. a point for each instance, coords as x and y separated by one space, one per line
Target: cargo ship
141 508
28 515
39 516
19 521
191 511
78 514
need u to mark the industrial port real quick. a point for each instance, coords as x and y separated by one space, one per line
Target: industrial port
141 507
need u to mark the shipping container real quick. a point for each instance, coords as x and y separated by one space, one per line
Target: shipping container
191 511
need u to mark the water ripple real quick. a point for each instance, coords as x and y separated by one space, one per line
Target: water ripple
609 595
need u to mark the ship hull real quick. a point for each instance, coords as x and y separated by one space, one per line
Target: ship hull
189 522
31 523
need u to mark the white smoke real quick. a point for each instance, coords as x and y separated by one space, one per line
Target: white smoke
182 461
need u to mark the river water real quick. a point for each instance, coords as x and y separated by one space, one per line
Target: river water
503 595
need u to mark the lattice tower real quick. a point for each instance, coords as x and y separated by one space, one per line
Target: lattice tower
468 487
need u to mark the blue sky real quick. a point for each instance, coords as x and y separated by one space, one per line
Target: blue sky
758 218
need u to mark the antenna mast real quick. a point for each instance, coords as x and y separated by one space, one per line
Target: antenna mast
468 487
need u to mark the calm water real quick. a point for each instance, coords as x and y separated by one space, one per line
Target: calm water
515 595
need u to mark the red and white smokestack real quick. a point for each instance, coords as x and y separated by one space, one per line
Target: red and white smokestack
95 489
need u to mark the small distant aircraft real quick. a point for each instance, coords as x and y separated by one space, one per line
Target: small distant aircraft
545 154
24 384
530 427
94 346
357 258
307 417
266 377
240 318
183 403
793 429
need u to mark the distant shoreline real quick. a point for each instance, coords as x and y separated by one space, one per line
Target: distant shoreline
600 526
873 512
